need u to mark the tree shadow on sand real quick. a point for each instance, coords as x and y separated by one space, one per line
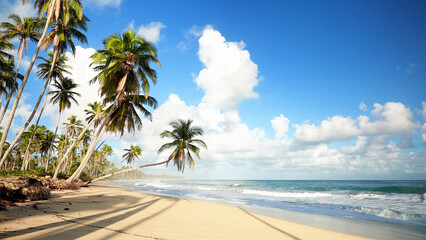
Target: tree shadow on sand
74 227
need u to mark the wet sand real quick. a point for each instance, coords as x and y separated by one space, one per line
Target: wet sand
109 212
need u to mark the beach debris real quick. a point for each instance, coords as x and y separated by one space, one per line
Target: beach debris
23 188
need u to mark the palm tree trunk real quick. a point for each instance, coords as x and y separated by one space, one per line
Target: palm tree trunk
9 97
60 162
89 153
27 155
21 88
49 76
54 136
1 99
128 170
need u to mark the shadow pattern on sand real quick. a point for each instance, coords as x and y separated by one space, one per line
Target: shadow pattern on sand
71 227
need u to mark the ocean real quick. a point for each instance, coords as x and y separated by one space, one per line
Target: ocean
401 202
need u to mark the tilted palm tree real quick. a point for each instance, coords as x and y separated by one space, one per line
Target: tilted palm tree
132 154
53 8
124 68
63 96
184 142
26 29
95 115
58 71
8 85
73 127
61 37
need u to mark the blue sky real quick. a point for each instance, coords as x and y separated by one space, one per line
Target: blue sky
283 89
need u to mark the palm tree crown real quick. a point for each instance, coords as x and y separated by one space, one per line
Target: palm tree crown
64 93
184 142
132 153
122 64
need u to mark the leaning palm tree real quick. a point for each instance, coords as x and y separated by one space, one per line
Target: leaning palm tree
132 154
184 142
63 96
95 115
49 69
26 29
124 68
53 8
126 117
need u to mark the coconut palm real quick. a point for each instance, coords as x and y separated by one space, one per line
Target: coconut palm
8 85
124 68
63 96
26 29
184 142
73 127
55 8
132 154
50 68
95 114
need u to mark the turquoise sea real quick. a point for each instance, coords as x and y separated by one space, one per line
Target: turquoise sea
401 202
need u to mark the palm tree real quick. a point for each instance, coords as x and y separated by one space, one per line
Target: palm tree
95 114
73 127
26 29
55 8
47 70
124 67
9 85
183 143
132 153
63 96
58 70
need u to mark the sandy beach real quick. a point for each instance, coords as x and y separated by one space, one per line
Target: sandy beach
109 212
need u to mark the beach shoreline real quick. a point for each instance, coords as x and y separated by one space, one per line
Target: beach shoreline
105 211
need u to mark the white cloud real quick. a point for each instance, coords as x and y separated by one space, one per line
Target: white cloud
151 31
81 73
280 126
103 3
424 133
15 7
336 128
391 118
229 75
423 112
363 107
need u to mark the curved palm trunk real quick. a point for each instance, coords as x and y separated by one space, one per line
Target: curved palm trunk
54 136
27 152
63 158
89 153
21 88
34 111
128 170
9 97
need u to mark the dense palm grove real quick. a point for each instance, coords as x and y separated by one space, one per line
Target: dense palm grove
76 149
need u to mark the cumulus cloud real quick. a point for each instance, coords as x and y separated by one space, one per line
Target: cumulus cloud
151 31
229 75
81 73
424 134
15 7
280 126
391 118
336 128
238 151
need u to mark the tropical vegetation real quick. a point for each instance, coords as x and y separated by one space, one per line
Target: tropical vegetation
74 150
